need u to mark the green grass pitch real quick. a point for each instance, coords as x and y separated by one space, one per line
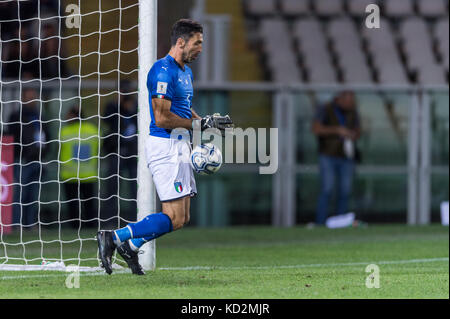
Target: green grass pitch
264 262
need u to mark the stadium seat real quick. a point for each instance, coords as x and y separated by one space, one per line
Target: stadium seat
379 36
418 54
342 28
282 70
348 48
358 7
398 8
328 7
272 26
392 74
417 46
410 26
261 7
441 29
353 75
308 30
295 7
432 8
274 33
327 38
277 45
430 75
322 74
441 36
312 45
385 57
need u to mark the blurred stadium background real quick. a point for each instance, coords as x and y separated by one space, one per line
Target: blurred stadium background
268 63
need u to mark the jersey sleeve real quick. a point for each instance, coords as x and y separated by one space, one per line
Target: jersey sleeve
160 83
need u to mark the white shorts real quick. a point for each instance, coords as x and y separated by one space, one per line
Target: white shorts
169 163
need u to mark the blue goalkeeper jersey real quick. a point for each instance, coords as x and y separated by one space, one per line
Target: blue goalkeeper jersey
168 80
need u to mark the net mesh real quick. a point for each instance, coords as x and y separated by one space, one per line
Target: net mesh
68 127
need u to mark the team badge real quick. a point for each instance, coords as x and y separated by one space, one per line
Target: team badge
178 187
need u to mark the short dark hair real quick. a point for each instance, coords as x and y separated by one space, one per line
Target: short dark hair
343 94
75 111
184 28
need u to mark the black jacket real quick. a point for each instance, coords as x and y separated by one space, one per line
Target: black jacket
127 128
30 135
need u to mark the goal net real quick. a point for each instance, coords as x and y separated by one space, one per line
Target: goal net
70 128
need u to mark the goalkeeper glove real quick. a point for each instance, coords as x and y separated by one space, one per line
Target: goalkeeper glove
216 121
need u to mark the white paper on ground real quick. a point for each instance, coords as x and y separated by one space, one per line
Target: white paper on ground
444 213
340 221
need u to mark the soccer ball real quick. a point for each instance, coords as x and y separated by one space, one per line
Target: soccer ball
206 159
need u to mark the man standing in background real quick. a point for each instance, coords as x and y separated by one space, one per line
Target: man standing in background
30 137
79 168
337 127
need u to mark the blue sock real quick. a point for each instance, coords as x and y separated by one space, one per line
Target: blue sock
136 243
122 235
151 227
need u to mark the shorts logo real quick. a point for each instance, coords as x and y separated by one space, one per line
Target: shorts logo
178 187
161 87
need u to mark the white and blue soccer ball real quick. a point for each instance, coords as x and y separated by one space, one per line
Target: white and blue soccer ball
206 159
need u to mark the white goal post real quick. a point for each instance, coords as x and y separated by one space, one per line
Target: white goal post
148 15
44 247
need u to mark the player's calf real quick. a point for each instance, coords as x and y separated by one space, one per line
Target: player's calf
176 210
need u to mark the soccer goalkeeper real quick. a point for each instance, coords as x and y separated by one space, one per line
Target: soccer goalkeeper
169 84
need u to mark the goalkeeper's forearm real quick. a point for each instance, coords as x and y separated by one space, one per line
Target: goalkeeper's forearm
169 120
164 118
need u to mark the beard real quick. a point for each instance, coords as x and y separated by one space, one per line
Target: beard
188 58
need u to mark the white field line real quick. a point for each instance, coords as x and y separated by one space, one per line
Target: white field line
127 271
408 261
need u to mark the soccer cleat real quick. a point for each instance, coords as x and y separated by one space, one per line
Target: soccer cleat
131 257
106 247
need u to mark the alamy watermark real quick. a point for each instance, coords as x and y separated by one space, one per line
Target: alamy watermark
73 20
237 143
73 278
373 280
373 19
